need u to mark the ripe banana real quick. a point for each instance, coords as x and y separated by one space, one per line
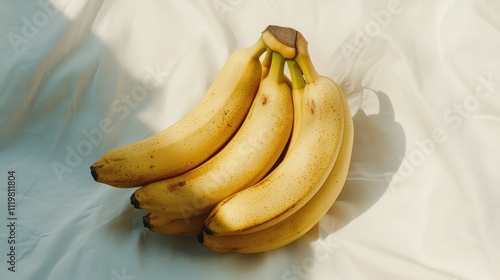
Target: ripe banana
301 173
189 226
194 138
246 158
298 224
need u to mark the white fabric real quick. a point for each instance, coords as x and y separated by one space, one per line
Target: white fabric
422 200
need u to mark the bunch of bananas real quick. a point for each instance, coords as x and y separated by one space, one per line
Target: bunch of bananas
256 164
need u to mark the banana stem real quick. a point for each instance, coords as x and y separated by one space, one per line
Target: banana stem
296 75
277 66
258 48
266 62
304 60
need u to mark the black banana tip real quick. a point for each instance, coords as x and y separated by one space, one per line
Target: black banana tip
200 237
207 230
134 201
146 221
93 173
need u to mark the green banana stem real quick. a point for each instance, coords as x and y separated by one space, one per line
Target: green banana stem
258 48
298 81
277 68
266 62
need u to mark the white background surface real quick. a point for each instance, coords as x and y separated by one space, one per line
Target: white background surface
422 200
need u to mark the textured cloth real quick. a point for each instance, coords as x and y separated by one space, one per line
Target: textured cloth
422 199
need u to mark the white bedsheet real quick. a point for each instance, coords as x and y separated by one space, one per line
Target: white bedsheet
422 200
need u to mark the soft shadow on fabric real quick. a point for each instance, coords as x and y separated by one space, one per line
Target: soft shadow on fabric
379 147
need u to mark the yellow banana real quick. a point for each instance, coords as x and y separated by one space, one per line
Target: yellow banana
194 138
301 173
246 158
301 221
157 223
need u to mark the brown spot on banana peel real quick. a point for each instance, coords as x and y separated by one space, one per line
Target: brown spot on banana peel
312 106
175 186
264 99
